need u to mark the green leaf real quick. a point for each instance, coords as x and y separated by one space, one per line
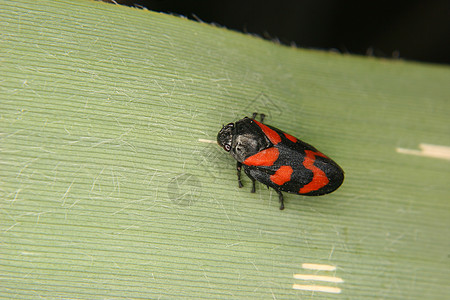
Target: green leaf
109 187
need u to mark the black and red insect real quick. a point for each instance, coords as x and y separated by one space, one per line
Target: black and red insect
279 160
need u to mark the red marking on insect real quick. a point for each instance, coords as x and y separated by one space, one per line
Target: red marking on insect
271 134
263 158
319 179
290 137
282 175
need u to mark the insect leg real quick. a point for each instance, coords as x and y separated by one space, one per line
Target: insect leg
238 168
261 117
281 200
253 185
247 171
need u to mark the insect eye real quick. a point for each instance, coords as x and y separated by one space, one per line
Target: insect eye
227 147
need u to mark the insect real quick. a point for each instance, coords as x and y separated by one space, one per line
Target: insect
279 160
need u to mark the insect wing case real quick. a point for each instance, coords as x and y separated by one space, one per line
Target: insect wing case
297 168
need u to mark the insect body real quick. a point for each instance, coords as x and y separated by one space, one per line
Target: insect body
278 159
